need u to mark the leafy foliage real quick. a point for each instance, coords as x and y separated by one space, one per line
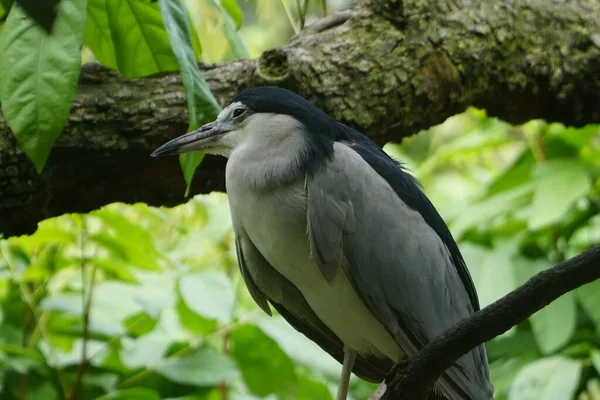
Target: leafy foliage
538 206
39 76
135 37
151 298
133 302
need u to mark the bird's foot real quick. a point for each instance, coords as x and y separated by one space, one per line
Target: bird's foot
379 392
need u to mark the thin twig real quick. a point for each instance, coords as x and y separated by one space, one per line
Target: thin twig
29 300
86 305
413 378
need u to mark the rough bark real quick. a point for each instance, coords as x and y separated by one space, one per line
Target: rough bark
387 67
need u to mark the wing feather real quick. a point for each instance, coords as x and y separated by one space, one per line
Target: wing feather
266 284
399 265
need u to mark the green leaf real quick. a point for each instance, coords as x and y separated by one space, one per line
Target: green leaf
42 12
588 296
596 360
229 26
234 12
297 346
209 294
553 378
98 35
131 394
558 183
553 325
483 211
494 277
503 373
202 105
39 76
258 357
204 367
141 44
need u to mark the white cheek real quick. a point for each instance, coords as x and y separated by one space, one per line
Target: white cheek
228 143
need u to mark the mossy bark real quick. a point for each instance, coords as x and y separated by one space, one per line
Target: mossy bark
387 67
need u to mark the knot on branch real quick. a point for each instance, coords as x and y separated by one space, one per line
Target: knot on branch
273 66
441 79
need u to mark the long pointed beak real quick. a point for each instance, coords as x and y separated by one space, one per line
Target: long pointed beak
204 137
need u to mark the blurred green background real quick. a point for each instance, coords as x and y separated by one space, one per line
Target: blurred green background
142 303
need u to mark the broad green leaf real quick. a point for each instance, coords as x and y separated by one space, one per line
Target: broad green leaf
558 183
232 8
313 389
42 12
209 294
504 371
131 394
554 324
39 76
297 346
97 33
202 105
483 211
596 360
553 378
204 367
589 297
236 43
141 44
258 356
494 278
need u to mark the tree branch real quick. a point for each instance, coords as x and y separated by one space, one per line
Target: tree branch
413 378
388 68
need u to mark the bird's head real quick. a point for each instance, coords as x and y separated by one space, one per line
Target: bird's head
263 118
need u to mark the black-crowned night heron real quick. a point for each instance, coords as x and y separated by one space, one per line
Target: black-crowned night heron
334 235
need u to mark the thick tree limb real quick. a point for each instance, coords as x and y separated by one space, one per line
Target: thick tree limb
414 378
389 68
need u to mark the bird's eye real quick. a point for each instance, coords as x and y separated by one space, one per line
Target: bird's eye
237 112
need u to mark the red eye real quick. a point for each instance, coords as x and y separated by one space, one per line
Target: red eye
238 111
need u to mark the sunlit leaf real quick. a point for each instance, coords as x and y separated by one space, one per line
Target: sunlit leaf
259 356
97 33
500 204
504 371
229 27
131 394
234 12
39 76
554 324
589 297
494 277
554 378
141 44
558 183
204 367
210 294
596 360
202 105
298 346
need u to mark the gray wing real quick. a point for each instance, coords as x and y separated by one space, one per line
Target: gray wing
266 286
397 263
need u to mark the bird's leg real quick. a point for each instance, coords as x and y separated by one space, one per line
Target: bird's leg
379 392
349 358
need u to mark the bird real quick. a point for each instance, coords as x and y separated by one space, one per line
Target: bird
339 239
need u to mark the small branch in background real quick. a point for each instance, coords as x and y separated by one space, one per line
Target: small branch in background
24 376
324 7
225 350
29 300
86 306
413 378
